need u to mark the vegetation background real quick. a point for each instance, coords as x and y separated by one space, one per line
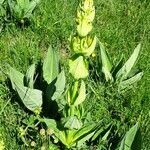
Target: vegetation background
119 24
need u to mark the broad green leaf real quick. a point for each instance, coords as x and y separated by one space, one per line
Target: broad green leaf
2 13
127 84
99 129
122 144
132 139
97 133
106 63
11 5
80 111
68 97
51 124
83 132
108 75
127 67
30 76
73 123
22 4
15 9
78 67
85 138
30 8
31 98
59 85
50 90
53 147
133 72
104 138
66 137
61 135
50 66
1 1
15 77
74 90
117 67
82 94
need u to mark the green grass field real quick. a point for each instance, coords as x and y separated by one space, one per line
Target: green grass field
119 24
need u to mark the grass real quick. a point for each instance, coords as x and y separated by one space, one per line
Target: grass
121 25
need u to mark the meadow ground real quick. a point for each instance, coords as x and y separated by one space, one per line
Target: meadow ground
119 24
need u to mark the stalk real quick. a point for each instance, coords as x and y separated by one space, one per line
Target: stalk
82 45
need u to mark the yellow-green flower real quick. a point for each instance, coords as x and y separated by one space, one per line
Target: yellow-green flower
84 46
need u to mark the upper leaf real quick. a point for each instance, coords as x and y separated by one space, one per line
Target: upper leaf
127 84
31 98
15 77
72 123
59 85
30 8
82 94
22 4
132 139
127 67
84 132
30 76
51 123
50 66
1 2
106 63
61 135
78 67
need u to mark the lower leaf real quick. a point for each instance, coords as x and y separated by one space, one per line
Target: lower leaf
31 98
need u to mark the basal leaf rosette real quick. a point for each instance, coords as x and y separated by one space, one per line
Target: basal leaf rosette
84 46
78 67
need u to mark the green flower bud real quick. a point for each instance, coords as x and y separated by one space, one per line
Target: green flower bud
87 4
37 110
42 132
86 10
50 131
85 17
33 144
43 148
78 67
84 46
84 27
